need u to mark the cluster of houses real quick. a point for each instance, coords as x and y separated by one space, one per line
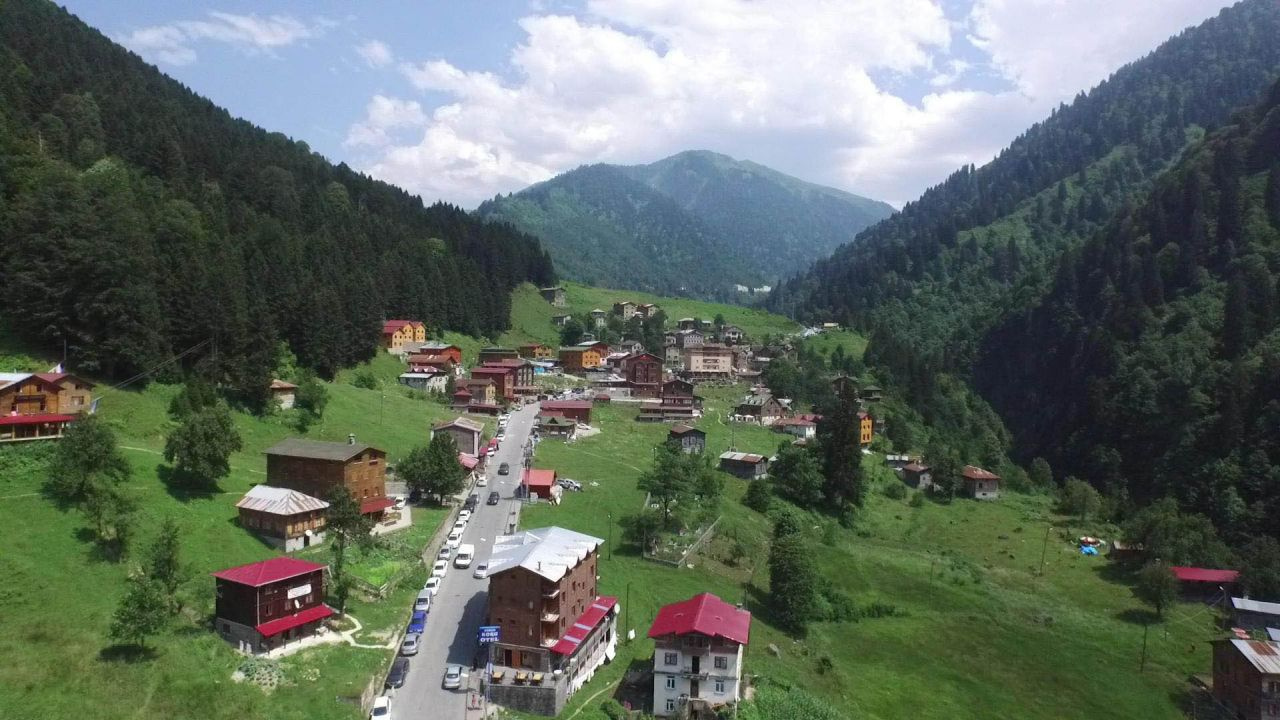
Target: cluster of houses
40 406
555 630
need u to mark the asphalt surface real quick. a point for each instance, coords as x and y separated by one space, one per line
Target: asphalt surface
458 609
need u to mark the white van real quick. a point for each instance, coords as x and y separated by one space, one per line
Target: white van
464 556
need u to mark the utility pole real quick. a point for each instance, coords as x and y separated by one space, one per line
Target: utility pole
1044 549
626 616
610 535
1142 664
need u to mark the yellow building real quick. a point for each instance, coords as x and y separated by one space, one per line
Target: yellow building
865 425
395 333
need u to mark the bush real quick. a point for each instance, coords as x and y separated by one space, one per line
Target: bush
917 500
365 379
614 709
895 490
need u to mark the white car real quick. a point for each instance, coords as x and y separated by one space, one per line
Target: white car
440 568
459 526
466 553
433 585
455 539
491 452
481 572
444 553
381 708
464 516
482 481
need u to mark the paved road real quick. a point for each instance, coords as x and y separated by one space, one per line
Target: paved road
458 609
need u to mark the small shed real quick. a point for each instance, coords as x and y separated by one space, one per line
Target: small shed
1205 582
747 466
286 519
283 393
690 439
917 475
981 484
578 410
539 483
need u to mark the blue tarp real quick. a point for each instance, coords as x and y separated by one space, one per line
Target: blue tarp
1088 550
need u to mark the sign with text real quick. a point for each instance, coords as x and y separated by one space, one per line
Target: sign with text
297 592
488 633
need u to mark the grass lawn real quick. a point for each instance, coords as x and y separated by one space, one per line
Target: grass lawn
978 632
58 596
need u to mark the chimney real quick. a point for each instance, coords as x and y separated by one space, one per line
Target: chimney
351 438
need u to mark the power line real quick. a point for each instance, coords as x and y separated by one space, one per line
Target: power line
170 361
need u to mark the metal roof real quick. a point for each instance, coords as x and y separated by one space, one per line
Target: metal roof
268 571
704 614
464 423
741 457
1255 606
297 447
279 501
1263 654
550 552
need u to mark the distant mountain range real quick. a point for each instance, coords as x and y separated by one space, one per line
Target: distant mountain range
696 223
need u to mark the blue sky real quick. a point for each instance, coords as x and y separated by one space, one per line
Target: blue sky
464 99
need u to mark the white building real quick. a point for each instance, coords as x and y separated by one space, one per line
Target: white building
697 657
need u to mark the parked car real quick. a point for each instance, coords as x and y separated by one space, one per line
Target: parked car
418 622
444 553
381 708
399 671
504 469
459 526
481 571
464 515
482 481
452 677
466 553
433 585
568 484
455 539
411 643
422 602
440 568
494 497
490 452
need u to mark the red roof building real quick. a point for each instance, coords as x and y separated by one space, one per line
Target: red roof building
538 483
578 410
1205 575
980 484
698 649
265 605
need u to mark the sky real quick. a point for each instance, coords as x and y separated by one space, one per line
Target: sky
461 100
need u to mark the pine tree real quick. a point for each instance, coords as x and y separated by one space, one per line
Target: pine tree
348 527
143 611
443 476
793 582
164 560
840 444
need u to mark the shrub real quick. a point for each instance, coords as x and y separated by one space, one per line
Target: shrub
365 379
917 500
614 709
895 490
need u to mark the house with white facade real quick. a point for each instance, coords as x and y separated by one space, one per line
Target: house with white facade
699 645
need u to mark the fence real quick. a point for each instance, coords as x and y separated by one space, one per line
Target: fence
697 543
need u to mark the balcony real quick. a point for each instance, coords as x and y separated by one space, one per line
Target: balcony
551 594
550 617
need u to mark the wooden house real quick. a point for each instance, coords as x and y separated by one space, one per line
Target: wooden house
537 351
625 309
482 390
580 358
554 295
38 406
747 466
286 519
430 381
917 475
732 334
1246 678
1196 582
452 353
803 429
538 483
689 339
866 428
560 320
522 373
467 434
980 484
265 605
688 323
503 378
690 439
395 333
647 311
643 374
576 410
555 424
763 409
314 468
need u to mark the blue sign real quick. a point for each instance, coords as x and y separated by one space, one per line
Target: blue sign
488 633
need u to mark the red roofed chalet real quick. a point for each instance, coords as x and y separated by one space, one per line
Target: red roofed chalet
577 410
539 483
698 649
265 605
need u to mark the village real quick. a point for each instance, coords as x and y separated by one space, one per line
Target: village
512 615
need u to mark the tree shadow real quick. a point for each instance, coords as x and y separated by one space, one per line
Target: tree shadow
1119 573
99 550
635 690
234 521
127 653
183 486
1138 616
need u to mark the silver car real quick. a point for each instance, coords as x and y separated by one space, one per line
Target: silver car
452 677
411 643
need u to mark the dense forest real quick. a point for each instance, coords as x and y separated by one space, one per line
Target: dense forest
694 224
1153 365
140 220
931 284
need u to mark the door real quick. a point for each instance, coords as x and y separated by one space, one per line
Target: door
697 662
693 689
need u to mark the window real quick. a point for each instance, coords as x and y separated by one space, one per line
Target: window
671 704
722 662
670 658
719 687
671 682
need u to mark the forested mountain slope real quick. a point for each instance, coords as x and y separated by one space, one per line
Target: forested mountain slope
781 223
140 219
929 282
695 224
604 228
1155 358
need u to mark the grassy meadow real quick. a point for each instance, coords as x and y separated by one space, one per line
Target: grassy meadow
977 632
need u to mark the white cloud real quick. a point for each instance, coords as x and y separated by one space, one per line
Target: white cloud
174 43
375 53
789 83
